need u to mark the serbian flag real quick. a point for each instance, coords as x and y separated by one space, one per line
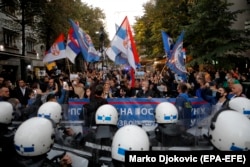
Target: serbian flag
86 45
123 48
57 50
176 62
72 47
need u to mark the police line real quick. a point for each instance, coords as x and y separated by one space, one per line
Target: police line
139 111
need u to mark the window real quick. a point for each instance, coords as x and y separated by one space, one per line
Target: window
9 38
9 6
30 45
10 10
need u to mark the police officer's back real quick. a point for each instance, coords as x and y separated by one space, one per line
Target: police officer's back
128 137
33 139
169 132
6 134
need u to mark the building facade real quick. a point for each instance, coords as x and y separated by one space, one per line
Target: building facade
16 63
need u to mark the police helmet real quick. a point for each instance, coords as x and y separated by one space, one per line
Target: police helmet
34 137
166 112
51 110
6 113
129 138
106 114
240 104
229 131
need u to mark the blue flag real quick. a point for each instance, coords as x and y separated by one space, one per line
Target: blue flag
86 45
166 43
176 61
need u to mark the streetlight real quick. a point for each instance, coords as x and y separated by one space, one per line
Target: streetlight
102 37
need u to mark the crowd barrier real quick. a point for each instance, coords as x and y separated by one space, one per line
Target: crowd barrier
139 111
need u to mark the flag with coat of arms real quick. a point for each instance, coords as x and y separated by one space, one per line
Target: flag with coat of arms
85 43
72 47
123 48
56 51
176 60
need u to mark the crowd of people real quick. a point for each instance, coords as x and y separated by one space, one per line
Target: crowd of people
214 87
30 100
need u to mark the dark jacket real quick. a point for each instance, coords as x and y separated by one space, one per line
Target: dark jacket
148 93
7 149
89 110
32 109
22 98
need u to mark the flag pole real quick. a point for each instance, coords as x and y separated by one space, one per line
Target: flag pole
163 69
68 65
164 66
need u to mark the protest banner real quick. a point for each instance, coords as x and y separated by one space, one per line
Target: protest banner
139 111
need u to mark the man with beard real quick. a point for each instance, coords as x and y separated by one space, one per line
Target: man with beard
222 99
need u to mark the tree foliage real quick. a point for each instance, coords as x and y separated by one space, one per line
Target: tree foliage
210 34
49 18
55 19
166 15
207 25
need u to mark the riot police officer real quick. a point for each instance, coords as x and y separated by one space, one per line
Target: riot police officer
33 139
128 138
240 104
99 140
229 131
63 135
169 132
7 149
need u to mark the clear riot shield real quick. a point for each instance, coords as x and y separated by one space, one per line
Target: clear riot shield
185 135
93 143
200 123
78 157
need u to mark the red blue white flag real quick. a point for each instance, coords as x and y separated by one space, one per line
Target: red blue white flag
123 48
72 47
85 42
57 50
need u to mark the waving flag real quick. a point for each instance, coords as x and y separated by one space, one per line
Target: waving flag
57 50
86 45
123 50
176 61
72 47
116 27
167 42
